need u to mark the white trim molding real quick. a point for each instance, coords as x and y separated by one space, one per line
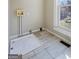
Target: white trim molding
59 36
26 33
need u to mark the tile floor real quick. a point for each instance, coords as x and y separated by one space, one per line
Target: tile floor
51 48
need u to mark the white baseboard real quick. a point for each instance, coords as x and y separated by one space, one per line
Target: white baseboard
36 30
12 37
45 29
16 36
57 36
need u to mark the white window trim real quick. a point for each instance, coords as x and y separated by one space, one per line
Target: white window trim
57 27
59 19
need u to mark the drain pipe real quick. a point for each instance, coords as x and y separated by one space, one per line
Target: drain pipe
20 25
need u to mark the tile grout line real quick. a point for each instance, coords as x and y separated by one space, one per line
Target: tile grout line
49 54
62 52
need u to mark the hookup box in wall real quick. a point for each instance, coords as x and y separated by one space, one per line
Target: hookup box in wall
19 12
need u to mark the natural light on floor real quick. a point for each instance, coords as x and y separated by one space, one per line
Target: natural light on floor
67 57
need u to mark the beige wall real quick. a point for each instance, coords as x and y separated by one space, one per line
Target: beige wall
33 15
49 14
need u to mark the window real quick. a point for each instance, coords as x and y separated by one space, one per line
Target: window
64 8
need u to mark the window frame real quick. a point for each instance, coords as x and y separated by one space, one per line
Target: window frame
57 16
